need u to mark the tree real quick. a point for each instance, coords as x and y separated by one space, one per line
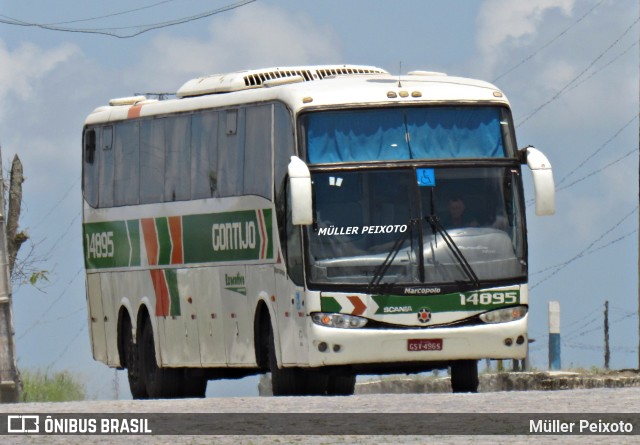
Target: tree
25 270
10 383
15 239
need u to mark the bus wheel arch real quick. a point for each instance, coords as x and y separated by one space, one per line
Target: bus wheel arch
284 381
261 326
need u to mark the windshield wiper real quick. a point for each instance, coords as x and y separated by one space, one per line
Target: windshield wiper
382 269
437 227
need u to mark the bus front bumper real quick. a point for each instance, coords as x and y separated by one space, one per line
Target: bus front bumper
334 346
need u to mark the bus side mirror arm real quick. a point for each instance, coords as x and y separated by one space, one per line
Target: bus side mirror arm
543 183
300 189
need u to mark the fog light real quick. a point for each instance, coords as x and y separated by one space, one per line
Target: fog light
322 347
520 339
504 315
508 341
336 348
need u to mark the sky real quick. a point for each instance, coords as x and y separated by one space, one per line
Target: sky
568 67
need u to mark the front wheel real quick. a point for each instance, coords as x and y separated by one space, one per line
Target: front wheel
284 381
464 376
341 384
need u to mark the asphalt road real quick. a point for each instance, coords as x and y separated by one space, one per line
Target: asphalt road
532 405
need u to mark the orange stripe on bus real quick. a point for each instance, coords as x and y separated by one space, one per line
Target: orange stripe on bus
150 240
134 111
162 292
175 227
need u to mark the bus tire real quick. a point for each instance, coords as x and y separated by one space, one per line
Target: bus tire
464 376
194 385
312 382
132 361
161 383
341 384
284 381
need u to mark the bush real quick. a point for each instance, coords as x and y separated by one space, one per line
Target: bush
61 386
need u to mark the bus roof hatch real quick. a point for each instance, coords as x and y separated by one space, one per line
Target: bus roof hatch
244 80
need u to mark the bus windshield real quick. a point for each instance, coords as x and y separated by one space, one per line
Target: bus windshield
404 133
417 226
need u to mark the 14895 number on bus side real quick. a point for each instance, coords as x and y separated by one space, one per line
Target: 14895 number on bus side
100 245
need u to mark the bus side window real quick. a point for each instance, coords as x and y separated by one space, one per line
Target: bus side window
90 146
230 178
290 241
177 175
90 170
126 173
107 137
152 160
204 155
257 153
105 197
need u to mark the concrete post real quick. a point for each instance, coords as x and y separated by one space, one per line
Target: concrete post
554 335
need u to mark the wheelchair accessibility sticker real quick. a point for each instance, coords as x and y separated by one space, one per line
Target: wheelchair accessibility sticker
426 177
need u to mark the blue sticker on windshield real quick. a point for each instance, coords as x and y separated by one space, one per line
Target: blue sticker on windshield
426 177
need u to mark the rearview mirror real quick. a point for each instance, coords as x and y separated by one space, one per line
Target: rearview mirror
543 183
300 189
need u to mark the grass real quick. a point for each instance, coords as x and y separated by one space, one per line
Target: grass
62 386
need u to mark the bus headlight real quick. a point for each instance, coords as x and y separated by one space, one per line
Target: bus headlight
338 320
504 315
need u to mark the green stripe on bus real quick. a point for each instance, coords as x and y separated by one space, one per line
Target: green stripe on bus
329 304
133 226
460 301
172 284
106 245
230 236
206 238
409 304
164 241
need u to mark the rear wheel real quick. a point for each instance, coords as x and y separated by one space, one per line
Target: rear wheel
194 384
464 376
132 361
160 383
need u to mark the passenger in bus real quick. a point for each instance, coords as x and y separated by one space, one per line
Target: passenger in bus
456 217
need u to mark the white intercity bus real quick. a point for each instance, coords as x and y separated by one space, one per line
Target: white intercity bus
313 222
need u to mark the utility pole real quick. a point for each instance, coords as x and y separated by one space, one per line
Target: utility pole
638 276
607 352
638 201
10 384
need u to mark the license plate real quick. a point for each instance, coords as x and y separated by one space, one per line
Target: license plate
421 344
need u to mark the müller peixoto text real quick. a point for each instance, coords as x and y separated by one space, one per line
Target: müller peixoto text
582 426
